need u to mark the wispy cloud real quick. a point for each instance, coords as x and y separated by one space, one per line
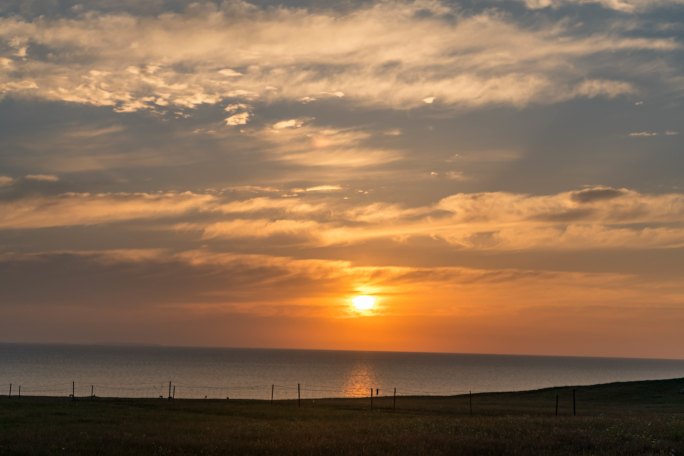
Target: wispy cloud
74 209
42 177
650 134
321 146
625 6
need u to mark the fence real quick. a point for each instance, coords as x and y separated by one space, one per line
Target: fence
193 391
301 393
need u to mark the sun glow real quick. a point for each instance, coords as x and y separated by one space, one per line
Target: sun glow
363 303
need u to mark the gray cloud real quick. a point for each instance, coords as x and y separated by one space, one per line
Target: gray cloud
590 195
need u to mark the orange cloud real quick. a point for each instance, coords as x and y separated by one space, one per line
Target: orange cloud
87 209
592 217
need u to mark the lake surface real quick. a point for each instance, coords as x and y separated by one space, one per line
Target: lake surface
249 373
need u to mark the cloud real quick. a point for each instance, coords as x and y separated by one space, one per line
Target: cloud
590 195
589 218
323 188
384 54
230 73
260 228
650 134
42 177
451 175
602 88
88 133
625 6
266 204
238 119
592 217
6 181
235 107
73 209
321 146
593 204
598 217
290 123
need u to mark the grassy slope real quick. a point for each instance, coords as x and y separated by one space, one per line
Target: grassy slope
620 418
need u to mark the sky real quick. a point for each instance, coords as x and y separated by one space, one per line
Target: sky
501 176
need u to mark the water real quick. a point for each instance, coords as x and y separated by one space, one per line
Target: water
249 373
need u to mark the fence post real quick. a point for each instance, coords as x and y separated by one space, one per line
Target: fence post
73 391
9 396
470 400
371 398
169 390
19 390
272 390
394 399
556 403
574 403
299 395
92 391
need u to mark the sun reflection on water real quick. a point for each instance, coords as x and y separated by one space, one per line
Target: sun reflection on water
360 380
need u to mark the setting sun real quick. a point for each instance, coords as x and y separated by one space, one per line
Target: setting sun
363 303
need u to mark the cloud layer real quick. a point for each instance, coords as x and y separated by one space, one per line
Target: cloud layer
592 217
390 53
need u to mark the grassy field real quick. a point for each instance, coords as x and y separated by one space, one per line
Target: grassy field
616 419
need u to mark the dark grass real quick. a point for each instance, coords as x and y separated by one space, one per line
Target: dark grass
632 418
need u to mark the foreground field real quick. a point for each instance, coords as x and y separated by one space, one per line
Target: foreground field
621 418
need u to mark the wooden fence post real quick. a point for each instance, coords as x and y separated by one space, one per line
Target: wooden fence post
299 395
92 391
272 391
169 390
556 403
371 398
9 396
19 390
73 391
394 399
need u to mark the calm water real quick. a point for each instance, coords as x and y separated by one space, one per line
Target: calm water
249 373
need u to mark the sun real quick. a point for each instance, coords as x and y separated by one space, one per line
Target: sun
363 303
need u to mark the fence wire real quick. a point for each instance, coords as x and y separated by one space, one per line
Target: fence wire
275 391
